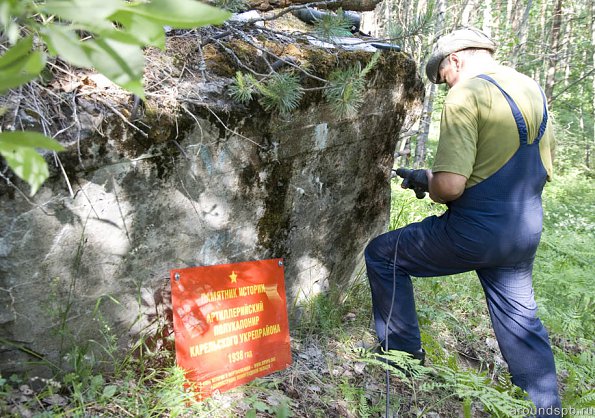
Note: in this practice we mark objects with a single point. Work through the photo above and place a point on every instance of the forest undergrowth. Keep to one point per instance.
(333, 373)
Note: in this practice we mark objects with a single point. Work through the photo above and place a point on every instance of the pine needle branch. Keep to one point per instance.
(345, 92)
(332, 25)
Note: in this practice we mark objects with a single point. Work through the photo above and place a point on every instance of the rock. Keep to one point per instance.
(492, 344)
(196, 180)
(55, 399)
(358, 368)
(349, 317)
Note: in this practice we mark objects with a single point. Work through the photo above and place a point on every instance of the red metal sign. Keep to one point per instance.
(230, 323)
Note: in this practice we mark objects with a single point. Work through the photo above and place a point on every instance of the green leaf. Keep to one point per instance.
(11, 81)
(16, 53)
(34, 63)
(27, 164)
(63, 41)
(121, 62)
(9, 9)
(145, 31)
(109, 391)
(97, 380)
(283, 411)
(20, 64)
(82, 11)
(18, 149)
(260, 406)
(183, 14)
(29, 139)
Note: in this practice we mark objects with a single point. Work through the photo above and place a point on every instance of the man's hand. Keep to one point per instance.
(416, 180)
(445, 187)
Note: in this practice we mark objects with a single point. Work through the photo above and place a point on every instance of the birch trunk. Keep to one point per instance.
(542, 38)
(467, 12)
(509, 5)
(522, 33)
(426, 116)
(554, 52)
(590, 143)
(424, 127)
(487, 18)
(568, 50)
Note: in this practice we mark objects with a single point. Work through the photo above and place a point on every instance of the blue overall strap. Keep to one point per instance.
(518, 116)
(516, 113)
(545, 116)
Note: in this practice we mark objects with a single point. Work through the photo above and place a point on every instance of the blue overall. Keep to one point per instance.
(494, 228)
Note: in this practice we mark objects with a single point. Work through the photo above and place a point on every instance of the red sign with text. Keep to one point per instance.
(230, 323)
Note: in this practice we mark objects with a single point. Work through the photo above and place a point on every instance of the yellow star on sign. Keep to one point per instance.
(233, 276)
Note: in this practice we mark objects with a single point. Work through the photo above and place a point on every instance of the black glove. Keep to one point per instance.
(416, 180)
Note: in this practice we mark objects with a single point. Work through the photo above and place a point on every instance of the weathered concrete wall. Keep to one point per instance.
(212, 182)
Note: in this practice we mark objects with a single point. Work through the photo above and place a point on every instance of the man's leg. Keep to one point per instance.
(523, 340)
(420, 249)
(403, 328)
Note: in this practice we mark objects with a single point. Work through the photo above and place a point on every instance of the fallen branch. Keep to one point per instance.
(286, 61)
(189, 100)
(124, 118)
(356, 5)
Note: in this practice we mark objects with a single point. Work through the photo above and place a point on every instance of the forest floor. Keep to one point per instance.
(333, 373)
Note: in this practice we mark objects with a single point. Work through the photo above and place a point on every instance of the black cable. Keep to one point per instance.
(390, 312)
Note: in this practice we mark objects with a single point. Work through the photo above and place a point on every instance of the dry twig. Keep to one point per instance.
(124, 118)
(189, 100)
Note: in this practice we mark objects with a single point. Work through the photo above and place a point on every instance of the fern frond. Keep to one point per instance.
(471, 386)
(587, 400)
(399, 364)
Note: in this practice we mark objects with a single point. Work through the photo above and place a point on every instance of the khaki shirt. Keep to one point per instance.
(478, 134)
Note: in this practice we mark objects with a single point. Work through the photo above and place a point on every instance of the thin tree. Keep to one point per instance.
(487, 17)
(522, 34)
(589, 143)
(428, 106)
(554, 52)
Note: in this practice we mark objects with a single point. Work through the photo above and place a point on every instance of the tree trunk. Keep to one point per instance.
(487, 18)
(509, 7)
(424, 127)
(589, 143)
(554, 50)
(542, 19)
(522, 33)
(568, 49)
(356, 5)
(426, 116)
(467, 9)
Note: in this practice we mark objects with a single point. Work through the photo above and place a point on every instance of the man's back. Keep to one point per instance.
(478, 133)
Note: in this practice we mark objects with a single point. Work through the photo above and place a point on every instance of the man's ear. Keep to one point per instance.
(455, 59)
